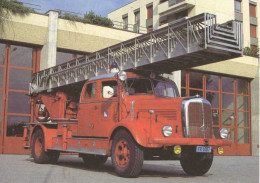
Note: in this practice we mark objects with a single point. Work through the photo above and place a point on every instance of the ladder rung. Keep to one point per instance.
(225, 39)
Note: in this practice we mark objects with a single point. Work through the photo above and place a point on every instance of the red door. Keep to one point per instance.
(16, 110)
(87, 110)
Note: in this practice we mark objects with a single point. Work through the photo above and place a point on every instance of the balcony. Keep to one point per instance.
(174, 6)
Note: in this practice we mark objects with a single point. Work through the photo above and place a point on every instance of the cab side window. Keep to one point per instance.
(109, 84)
(90, 92)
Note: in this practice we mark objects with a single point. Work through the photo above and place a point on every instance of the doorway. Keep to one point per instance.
(17, 63)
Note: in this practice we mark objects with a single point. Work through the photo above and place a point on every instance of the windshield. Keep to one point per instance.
(137, 86)
(165, 89)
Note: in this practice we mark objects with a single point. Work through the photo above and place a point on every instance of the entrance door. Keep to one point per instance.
(16, 69)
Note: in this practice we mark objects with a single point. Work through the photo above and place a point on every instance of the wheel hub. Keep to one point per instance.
(122, 153)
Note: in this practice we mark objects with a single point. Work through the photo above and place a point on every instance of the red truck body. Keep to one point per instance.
(129, 117)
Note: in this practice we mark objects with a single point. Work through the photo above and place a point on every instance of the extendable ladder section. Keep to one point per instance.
(185, 43)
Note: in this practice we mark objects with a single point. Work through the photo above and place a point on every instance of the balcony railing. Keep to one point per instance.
(130, 27)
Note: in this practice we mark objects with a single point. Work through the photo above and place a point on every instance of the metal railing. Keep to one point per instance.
(129, 27)
(187, 43)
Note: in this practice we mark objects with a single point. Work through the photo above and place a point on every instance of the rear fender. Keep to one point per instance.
(48, 133)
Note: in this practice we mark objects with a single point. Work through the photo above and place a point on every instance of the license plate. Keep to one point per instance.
(203, 149)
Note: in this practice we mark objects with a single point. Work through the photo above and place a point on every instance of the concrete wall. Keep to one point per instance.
(255, 119)
(243, 66)
(30, 29)
(87, 37)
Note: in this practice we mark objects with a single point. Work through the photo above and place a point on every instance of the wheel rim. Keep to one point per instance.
(122, 153)
(38, 147)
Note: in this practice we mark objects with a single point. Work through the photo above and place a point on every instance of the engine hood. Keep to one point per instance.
(169, 108)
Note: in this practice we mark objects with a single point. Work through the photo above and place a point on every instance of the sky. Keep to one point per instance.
(100, 7)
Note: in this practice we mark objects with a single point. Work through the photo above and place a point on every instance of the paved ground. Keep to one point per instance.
(22, 169)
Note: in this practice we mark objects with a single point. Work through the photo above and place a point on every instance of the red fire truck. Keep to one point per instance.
(129, 117)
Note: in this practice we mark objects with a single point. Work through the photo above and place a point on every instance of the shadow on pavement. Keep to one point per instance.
(148, 170)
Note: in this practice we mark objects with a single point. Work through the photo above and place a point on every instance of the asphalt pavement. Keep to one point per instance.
(70, 169)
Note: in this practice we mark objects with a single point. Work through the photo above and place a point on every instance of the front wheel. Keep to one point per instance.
(127, 155)
(196, 164)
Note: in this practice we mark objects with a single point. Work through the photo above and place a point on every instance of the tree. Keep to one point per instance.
(12, 7)
(253, 52)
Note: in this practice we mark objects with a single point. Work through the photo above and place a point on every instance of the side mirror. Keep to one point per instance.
(108, 92)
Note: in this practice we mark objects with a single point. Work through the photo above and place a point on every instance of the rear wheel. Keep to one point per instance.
(94, 161)
(196, 164)
(127, 155)
(38, 153)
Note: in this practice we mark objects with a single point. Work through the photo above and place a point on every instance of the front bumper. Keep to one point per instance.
(189, 141)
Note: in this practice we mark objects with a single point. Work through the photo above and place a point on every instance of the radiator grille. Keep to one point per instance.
(198, 120)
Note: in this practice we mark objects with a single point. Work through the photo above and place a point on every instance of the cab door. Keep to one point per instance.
(88, 109)
(107, 109)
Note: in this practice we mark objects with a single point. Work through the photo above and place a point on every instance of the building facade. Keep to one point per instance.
(34, 42)
(232, 86)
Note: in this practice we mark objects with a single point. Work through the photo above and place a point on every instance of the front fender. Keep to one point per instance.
(139, 131)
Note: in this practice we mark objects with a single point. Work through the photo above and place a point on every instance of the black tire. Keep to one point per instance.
(127, 155)
(38, 153)
(93, 161)
(196, 164)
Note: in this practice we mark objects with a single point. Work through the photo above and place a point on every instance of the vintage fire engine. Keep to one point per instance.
(81, 107)
(128, 117)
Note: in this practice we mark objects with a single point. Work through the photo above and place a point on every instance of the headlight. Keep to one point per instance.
(167, 131)
(223, 133)
(122, 75)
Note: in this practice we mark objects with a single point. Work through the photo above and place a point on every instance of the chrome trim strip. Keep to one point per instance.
(132, 109)
(81, 150)
(87, 138)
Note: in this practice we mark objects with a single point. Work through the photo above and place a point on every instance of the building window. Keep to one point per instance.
(137, 22)
(252, 10)
(149, 28)
(253, 31)
(238, 5)
(150, 12)
(63, 57)
(137, 17)
(125, 22)
(163, 20)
